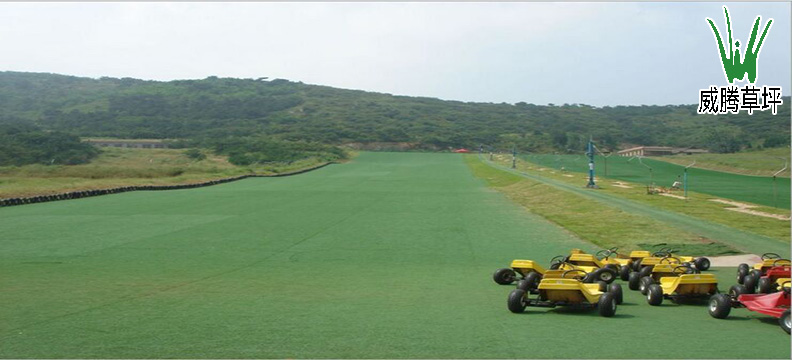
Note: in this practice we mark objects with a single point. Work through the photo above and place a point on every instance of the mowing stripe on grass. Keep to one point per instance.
(748, 242)
(388, 256)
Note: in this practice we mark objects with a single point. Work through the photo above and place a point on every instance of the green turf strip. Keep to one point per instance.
(755, 189)
(742, 240)
(390, 256)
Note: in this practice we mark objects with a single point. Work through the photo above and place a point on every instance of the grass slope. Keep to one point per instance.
(764, 162)
(388, 256)
(754, 189)
(123, 167)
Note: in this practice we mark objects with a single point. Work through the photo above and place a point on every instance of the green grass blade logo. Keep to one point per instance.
(734, 67)
(739, 66)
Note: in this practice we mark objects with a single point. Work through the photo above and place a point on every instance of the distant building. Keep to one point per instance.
(659, 151)
(128, 143)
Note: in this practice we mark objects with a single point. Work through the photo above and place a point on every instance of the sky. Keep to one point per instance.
(577, 53)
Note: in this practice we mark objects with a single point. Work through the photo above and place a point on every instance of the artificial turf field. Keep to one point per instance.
(755, 189)
(390, 255)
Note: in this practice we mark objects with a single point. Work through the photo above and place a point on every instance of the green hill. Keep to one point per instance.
(217, 107)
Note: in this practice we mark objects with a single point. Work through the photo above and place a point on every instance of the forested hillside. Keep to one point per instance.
(216, 108)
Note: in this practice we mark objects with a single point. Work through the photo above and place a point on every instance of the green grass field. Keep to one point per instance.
(754, 189)
(764, 162)
(387, 256)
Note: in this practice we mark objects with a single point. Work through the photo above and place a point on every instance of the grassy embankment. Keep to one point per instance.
(604, 226)
(697, 205)
(764, 162)
(125, 167)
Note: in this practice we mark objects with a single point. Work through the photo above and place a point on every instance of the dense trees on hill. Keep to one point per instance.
(25, 144)
(280, 110)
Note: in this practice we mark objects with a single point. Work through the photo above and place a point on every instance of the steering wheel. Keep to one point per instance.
(770, 256)
(576, 277)
(687, 269)
(676, 259)
(786, 260)
(603, 254)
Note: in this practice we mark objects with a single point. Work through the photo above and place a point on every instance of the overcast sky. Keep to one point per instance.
(590, 53)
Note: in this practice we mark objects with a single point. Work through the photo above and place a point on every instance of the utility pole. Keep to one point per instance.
(684, 178)
(514, 156)
(590, 154)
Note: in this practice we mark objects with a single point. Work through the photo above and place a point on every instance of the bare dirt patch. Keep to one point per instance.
(747, 209)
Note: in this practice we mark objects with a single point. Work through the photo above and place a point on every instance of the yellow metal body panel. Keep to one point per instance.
(526, 266)
(781, 281)
(689, 284)
(568, 290)
(660, 271)
(639, 254)
(585, 260)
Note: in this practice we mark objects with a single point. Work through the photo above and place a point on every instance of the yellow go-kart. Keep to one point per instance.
(566, 288)
(664, 268)
(531, 270)
(699, 262)
(691, 284)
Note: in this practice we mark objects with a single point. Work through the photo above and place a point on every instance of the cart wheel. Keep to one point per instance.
(643, 285)
(737, 290)
(624, 272)
(785, 322)
(646, 271)
(605, 274)
(702, 263)
(524, 285)
(634, 281)
(750, 283)
(607, 304)
(720, 306)
(654, 295)
(742, 270)
(516, 302)
(765, 286)
(636, 266)
(504, 276)
(603, 286)
(533, 278)
(616, 290)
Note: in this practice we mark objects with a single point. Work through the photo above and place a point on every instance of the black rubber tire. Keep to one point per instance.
(654, 295)
(605, 274)
(784, 321)
(613, 267)
(533, 278)
(741, 273)
(636, 266)
(646, 271)
(720, 306)
(515, 302)
(702, 264)
(607, 305)
(603, 286)
(750, 284)
(756, 273)
(524, 285)
(617, 291)
(504, 276)
(634, 281)
(765, 286)
(643, 284)
(737, 290)
(624, 272)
